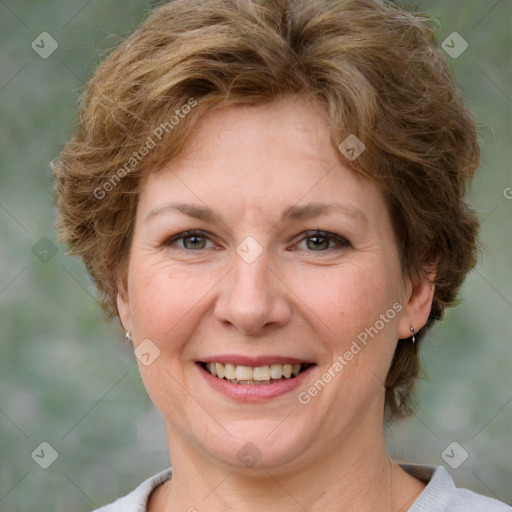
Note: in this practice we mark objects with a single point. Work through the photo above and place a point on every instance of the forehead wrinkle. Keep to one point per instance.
(292, 213)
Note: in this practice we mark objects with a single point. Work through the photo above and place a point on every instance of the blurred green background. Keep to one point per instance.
(66, 376)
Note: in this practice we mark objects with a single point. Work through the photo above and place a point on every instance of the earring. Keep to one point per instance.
(128, 336)
(413, 338)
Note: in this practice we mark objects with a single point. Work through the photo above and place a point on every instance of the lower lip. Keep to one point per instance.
(256, 392)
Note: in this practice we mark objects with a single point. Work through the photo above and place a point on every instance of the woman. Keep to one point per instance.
(269, 195)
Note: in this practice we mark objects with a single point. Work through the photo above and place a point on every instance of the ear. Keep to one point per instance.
(417, 308)
(123, 305)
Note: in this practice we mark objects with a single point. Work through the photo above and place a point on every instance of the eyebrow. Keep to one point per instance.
(292, 213)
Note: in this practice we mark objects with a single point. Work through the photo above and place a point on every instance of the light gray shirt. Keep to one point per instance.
(440, 494)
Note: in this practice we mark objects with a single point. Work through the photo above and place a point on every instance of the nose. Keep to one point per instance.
(253, 298)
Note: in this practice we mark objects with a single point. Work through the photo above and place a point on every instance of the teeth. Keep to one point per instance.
(253, 375)
(261, 373)
(276, 371)
(229, 371)
(243, 373)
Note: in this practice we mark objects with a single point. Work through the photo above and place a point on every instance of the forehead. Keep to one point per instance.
(262, 158)
(289, 127)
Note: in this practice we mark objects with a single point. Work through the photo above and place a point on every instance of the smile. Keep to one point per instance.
(254, 375)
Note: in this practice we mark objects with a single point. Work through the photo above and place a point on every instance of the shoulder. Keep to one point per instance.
(137, 500)
(463, 500)
(441, 494)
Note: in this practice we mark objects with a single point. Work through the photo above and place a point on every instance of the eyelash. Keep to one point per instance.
(342, 242)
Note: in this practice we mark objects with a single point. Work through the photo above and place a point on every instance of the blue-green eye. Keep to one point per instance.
(192, 240)
(320, 241)
(316, 241)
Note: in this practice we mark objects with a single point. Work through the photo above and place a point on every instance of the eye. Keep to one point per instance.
(320, 241)
(192, 240)
(316, 241)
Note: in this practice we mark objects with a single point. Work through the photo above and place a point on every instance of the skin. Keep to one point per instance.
(298, 298)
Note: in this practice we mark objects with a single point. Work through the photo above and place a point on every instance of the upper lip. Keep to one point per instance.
(261, 360)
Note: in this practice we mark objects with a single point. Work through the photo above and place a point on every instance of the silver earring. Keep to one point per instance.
(413, 338)
(128, 336)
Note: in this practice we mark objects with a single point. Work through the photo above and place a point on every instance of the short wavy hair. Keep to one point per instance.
(375, 68)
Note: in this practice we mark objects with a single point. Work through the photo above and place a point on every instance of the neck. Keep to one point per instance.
(355, 474)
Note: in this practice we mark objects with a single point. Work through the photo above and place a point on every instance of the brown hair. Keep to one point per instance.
(375, 68)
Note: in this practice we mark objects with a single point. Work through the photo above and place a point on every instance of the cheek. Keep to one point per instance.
(161, 297)
(348, 303)
(347, 299)
(164, 305)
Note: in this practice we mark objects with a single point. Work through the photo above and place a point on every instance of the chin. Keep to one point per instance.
(255, 444)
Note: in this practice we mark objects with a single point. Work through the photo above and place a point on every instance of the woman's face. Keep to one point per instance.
(255, 285)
